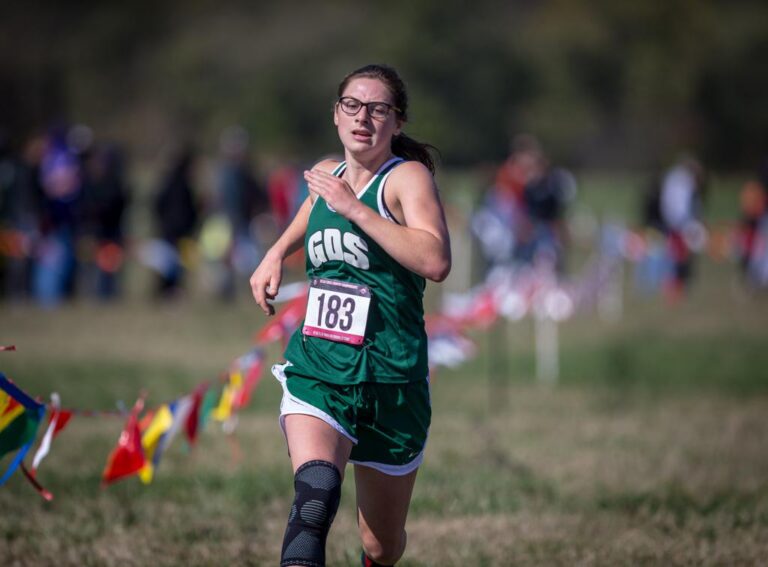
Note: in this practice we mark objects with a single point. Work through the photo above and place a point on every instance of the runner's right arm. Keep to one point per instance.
(265, 281)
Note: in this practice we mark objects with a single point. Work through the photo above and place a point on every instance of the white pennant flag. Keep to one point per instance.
(45, 444)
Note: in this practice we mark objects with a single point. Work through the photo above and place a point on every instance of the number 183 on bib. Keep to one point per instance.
(337, 311)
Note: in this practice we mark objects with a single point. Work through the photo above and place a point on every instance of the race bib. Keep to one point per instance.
(337, 311)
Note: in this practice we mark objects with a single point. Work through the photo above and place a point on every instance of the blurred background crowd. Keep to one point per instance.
(173, 136)
(65, 226)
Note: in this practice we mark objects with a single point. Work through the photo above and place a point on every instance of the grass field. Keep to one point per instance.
(651, 449)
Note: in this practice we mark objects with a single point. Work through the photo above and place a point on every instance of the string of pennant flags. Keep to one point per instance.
(144, 438)
(510, 292)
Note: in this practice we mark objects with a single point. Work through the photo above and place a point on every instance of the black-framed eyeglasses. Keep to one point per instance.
(377, 110)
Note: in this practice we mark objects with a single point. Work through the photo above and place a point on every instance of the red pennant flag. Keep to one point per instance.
(285, 322)
(483, 314)
(61, 423)
(128, 457)
(193, 419)
(251, 365)
(476, 310)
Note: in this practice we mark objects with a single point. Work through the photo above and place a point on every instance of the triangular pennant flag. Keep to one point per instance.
(193, 419)
(250, 365)
(127, 458)
(20, 416)
(285, 322)
(150, 439)
(45, 444)
(62, 421)
(180, 410)
(206, 408)
(223, 410)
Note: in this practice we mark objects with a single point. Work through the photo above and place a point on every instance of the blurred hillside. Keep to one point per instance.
(602, 83)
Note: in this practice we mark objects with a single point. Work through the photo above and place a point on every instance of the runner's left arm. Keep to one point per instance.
(421, 242)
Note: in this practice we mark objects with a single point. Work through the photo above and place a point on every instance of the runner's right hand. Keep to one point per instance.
(265, 282)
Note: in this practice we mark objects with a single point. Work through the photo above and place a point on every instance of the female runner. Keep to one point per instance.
(355, 385)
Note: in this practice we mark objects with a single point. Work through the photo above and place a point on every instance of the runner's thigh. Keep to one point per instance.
(310, 439)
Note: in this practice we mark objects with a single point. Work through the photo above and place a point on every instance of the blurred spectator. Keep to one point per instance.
(287, 190)
(682, 189)
(61, 179)
(229, 237)
(518, 169)
(753, 228)
(104, 202)
(176, 216)
(654, 267)
(545, 234)
(27, 216)
(17, 220)
(284, 189)
(499, 221)
(651, 204)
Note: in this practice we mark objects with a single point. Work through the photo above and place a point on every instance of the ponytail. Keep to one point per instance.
(409, 149)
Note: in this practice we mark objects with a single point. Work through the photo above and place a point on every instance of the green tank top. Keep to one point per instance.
(394, 349)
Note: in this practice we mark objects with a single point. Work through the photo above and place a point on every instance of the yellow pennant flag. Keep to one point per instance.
(223, 411)
(150, 438)
(9, 409)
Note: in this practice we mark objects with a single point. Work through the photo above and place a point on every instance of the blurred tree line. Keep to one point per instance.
(601, 82)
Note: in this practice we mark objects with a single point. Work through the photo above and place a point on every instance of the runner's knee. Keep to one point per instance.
(385, 550)
(317, 486)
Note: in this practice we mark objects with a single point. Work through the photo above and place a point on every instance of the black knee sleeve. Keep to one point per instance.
(318, 492)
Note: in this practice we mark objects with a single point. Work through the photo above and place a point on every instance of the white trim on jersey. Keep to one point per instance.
(400, 470)
(392, 470)
(378, 173)
(339, 171)
(290, 405)
(383, 210)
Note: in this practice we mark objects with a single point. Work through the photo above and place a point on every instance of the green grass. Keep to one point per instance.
(650, 449)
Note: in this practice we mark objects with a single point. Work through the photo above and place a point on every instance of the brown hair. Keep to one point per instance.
(402, 146)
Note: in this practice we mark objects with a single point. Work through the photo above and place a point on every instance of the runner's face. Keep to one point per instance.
(362, 133)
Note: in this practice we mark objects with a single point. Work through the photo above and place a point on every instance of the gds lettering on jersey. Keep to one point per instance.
(331, 244)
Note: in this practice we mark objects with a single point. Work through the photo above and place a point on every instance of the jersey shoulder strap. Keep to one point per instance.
(381, 203)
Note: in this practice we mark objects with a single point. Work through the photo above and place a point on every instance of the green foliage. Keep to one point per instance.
(618, 83)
